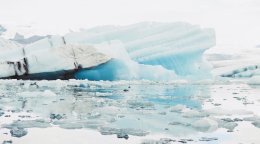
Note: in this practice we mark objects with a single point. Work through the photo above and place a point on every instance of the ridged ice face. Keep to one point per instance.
(175, 46)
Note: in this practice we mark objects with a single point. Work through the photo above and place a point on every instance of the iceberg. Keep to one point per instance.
(2, 29)
(148, 50)
(242, 65)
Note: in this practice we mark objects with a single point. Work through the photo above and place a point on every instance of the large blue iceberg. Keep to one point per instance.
(148, 50)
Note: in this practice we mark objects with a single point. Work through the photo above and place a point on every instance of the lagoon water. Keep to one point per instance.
(128, 112)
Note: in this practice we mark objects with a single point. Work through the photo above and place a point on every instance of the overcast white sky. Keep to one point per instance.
(237, 22)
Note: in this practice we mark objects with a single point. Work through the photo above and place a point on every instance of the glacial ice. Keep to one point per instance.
(148, 50)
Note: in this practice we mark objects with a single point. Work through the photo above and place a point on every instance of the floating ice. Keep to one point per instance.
(18, 132)
(111, 131)
(155, 51)
(242, 65)
(205, 124)
(2, 30)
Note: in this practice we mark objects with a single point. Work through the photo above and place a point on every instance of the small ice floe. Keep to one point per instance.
(162, 113)
(69, 124)
(140, 105)
(28, 124)
(79, 124)
(221, 112)
(230, 126)
(185, 140)
(128, 131)
(178, 108)
(208, 139)
(122, 135)
(94, 115)
(227, 119)
(256, 124)
(189, 113)
(205, 124)
(7, 142)
(166, 141)
(231, 120)
(161, 141)
(46, 93)
(255, 120)
(56, 116)
(18, 132)
(180, 123)
(1, 113)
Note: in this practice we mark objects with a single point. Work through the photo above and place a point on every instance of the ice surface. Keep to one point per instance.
(7, 45)
(22, 40)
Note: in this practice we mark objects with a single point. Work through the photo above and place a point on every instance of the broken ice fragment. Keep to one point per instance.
(230, 125)
(122, 135)
(256, 124)
(94, 115)
(205, 124)
(208, 139)
(177, 108)
(138, 104)
(227, 120)
(28, 124)
(111, 131)
(7, 142)
(1, 113)
(18, 132)
(55, 116)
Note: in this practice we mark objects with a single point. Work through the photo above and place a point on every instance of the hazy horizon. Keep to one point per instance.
(236, 22)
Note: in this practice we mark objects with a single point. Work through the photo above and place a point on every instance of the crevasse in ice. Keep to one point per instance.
(148, 50)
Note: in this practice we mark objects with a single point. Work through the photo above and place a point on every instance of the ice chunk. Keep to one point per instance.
(111, 131)
(207, 139)
(7, 142)
(178, 108)
(256, 124)
(18, 132)
(38, 123)
(205, 124)
(193, 113)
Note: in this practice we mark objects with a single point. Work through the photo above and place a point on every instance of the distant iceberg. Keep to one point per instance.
(149, 50)
(2, 29)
